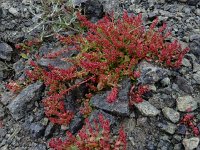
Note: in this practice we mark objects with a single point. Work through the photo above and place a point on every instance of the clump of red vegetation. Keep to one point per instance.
(189, 121)
(92, 136)
(108, 52)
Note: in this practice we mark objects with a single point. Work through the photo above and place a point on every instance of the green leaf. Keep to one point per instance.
(24, 56)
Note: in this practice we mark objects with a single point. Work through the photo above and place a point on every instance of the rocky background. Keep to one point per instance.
(153, 125)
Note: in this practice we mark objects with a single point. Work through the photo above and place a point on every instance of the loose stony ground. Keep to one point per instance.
(153, 124)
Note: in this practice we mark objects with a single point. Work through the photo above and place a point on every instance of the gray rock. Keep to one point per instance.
(3, 71)
(147, 109)
(2, 133)
(14, 11)
(167, 127)
(151, 74)
(7, 97)
(165, 81)
(19, 68)
(171, 114)
(187, 88)
(181, 129)
(37, 130)
(2, 112)
(190, 143)
(78, 2)
(5, 51)
(186, 62)
(27, 96)
(49, 130)
(196, 77)
(193, 2)
(94, 116)
(186, 103)
(44, 62)
(76, 123)
(120, 106)
(194, 37)
(195, 47)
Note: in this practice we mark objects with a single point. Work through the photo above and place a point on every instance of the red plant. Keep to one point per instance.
(189, 120)
(91, 136)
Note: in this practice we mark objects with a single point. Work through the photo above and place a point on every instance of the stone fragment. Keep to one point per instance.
(167, 127)
(171, 114)
(27, 96)
(186, 103)
(147, 109)
(5, 51)
(190, 143)
(120, 106)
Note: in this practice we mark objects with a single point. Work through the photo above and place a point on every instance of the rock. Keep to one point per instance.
(147, 109)
(167, 127)
(40, 147)
(76, 3)
(37, 130)
(186, 103)
(190, 143)
(194, 37)
(29, 95)
(186, 62)
(76, 123)
(7, 97)
(2, 112)
(4, 71)
(165, 82)
(171, 114)
(181, 129)
(120, 106)
(49, 130)
(94, 116)
(187, 88)
(196, 77)
(2, 133)
(195, 47)
(183, 1)
(14, 11)
(19, 68)
(5, 51)
(150, 74)
(193, 2)
(44, 62)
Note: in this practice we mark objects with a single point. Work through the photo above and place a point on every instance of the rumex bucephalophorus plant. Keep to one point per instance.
(109, 51)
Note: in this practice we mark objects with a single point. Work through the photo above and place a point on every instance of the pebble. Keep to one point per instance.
(171, 114)
(147, 109)
(186, 103)
(190, 143)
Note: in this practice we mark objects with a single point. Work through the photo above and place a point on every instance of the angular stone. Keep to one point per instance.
(94, 116)
(5, 51)
(147, 109)
(49, 130)
(7, 97)
(196, 77)
(191, 143)
(167, 127)
(171, 114)
(186, 103)
(37, 130)
(29, 95)
(76, 123)
(187, 88)
(181, 129)
(44, 62)
(151, 74)
(120, 106)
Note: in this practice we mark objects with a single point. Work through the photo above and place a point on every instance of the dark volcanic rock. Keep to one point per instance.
(29, 95)
(76, 123)
(120, 106)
